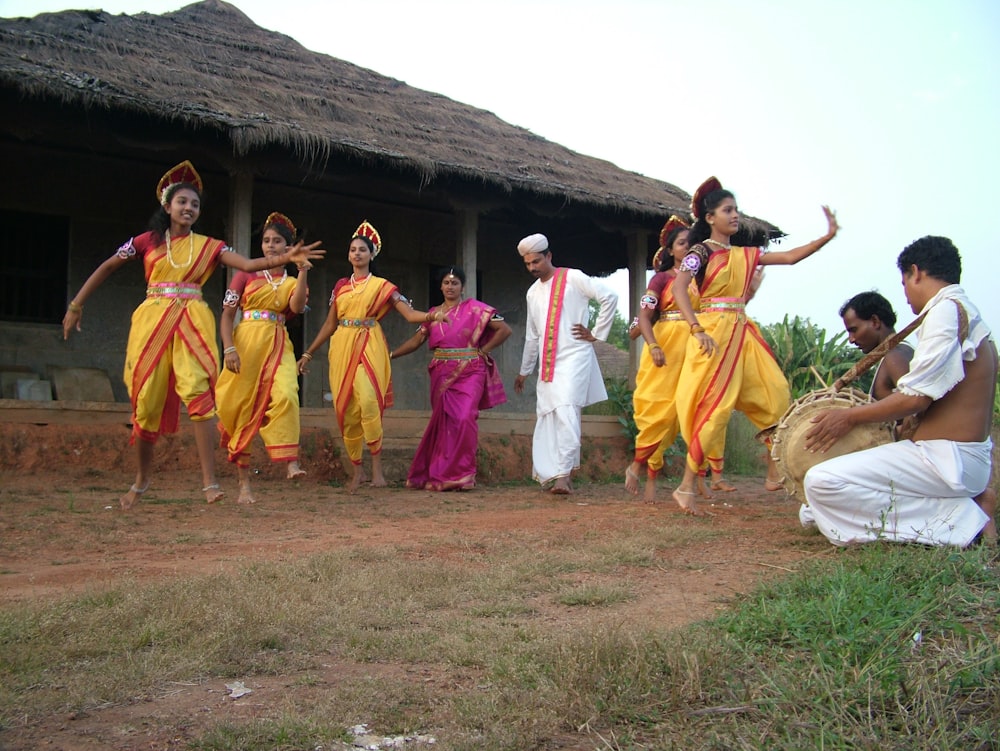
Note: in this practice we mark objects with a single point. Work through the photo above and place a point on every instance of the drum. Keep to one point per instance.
(788, 441)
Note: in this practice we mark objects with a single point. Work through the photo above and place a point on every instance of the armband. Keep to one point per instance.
(648, 301)
(127, 250)
(691, 263)
(231, 299)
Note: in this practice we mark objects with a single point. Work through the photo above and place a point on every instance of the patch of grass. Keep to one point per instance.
(595, 595)
(825, 658)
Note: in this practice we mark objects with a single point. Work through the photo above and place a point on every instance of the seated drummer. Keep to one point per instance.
(869, 320)
(933, 489)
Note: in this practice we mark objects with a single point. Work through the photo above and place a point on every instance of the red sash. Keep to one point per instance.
(550, 340)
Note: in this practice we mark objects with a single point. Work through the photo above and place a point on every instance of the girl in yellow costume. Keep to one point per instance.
(258, 391)
(360, 376)
(172, 356)
(728, 365)
(666, 335)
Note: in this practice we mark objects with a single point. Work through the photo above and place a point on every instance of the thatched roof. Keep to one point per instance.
(209, 67)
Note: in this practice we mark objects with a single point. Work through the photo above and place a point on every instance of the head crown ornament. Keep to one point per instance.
(657, 257)
(711, 185)
(181, 173)
(371, 234)
(276, 217)
(674, 222)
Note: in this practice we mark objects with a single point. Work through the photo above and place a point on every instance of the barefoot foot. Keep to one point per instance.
(561, 487)
(128, 500)
(722, 486)
(295, 471)
(246, 495)
(702, 489)
(686, 500)
(356, 481)
(772, 485)
(649, 495)
(212, 493)
(632, 478)
(378, 480)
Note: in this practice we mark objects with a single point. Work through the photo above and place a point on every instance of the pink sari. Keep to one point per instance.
(462, 383)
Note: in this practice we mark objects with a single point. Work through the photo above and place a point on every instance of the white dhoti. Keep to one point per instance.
(555, 448)
(907, 492)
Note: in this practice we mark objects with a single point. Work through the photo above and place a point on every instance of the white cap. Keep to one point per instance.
(533, 244)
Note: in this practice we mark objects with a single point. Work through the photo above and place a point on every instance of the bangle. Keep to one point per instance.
(697, 329)
(654, 346)
(228, 350)
(75, 307)
(307, 355)
(392, 355)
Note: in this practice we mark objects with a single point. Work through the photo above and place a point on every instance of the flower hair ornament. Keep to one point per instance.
(711, 185)
(181, 173)
(276, 217)
(371, 234)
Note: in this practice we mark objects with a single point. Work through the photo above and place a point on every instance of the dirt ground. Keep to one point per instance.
(61, 533)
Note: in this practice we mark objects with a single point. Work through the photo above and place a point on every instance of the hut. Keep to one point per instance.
(99, 105)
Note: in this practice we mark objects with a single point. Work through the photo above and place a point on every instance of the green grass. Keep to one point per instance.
(524, 649)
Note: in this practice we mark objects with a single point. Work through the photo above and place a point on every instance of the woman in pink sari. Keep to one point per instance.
(464, 379)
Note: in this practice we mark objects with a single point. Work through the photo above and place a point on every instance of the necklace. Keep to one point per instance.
(359, 283)
(170, 257)
(275, 284)
(721, 245)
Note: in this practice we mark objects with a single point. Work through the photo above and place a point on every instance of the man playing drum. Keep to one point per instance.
(921, 490)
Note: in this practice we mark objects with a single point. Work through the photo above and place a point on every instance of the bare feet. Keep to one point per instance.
(246, 495)
(358, 478)
(702, 488)
(722, 486)
(987, 501)
(295, 471)
(649, 496)
(632, 478)
(378, 480)
(212, 492)
(772, 485)
(561, 487)
(686, 500)
(128, 500)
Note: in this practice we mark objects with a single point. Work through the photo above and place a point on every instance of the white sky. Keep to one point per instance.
(887, 110)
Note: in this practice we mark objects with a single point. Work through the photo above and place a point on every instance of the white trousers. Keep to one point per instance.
(555, 448)
(904, 491)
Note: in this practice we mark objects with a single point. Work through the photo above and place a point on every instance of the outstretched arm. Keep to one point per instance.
(74, 313)
(793, 256)
(298, 254)
(418, 316)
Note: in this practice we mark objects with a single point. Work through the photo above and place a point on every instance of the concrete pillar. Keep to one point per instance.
(635, 244)
(467, 251)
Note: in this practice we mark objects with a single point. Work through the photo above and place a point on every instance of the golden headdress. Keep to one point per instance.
(371, 234)
(276, 217)
(709, 186)
(673, 223)
(182, 173)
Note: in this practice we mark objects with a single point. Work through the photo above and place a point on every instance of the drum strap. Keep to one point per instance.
(862, 365)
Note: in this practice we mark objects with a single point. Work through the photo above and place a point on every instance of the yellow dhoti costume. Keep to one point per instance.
(264, 396)
(172, 355)
(654, 400)
(742, 374)
(360, 376)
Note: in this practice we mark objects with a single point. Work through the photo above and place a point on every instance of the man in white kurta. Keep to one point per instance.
(558, 340)
(921, 490)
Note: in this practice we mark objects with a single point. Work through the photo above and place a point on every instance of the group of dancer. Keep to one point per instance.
(704, 357)
(172, 355)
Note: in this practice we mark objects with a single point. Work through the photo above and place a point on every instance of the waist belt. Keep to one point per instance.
(358, 323)
(722, 304)
(181, 290)
(465, 353)
(671, 315)
(263, 315)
